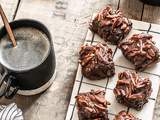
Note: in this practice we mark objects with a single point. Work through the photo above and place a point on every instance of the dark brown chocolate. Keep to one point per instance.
(124, 116)
(132, 90)
(92, 105)
(140, 50)
(96, 61)
(111, 25)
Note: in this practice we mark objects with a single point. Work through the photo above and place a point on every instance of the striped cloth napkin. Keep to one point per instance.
(10, 112)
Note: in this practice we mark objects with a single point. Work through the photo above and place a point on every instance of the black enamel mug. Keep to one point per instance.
(152, 2)
(36, 76)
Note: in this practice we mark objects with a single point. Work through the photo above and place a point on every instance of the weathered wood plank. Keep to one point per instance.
(9, 7)
(156, 115)
(151, 14)
(68, 22)
(131, 8)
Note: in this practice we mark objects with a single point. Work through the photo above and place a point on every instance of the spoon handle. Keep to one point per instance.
(7, 26)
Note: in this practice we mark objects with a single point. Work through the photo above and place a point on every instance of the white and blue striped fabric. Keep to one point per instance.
(10, 112)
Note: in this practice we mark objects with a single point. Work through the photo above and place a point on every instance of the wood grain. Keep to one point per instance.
(151, 14)
(131, 8)
(9, 7)
(7, 26)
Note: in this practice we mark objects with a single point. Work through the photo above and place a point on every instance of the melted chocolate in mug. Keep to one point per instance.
(32, 49)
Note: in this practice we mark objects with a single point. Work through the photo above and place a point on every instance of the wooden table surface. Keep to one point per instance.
(68, 22)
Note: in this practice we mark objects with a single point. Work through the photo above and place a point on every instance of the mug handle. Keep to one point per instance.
(5, 90)
(4, 76)
(8, 86)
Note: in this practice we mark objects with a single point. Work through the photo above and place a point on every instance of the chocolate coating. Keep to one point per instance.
(111, 25)
(92, 105)
(132, 90)
(140, 50)
(96, 61)
(124, 116)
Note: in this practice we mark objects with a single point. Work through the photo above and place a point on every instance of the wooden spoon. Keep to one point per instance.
(7, 26)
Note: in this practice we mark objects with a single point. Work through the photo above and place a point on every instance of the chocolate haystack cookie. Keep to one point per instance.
(132, 90)
(96, 61)
(140, 50)
(92, 105)
(111, 25)
(124, 116)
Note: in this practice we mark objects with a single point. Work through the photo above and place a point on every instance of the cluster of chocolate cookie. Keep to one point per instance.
(140, 50)
(93, 106)
(132, 90)
(111, 25)
(96, 60)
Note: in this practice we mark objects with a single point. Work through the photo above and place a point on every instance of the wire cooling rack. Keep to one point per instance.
(83, 84)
